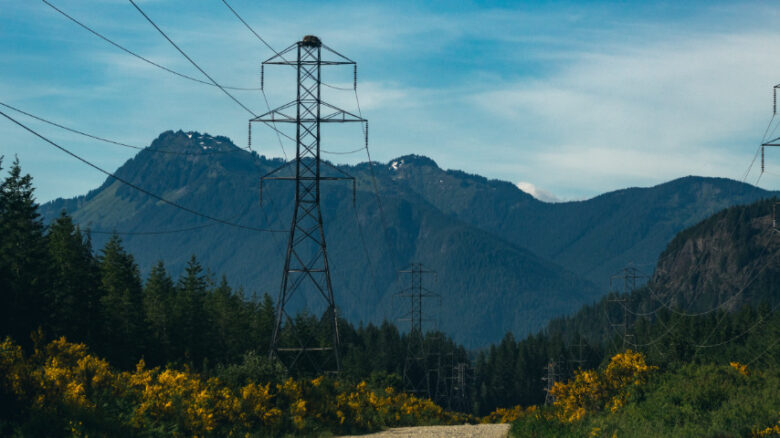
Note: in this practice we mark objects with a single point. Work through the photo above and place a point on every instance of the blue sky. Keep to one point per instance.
(568, 98)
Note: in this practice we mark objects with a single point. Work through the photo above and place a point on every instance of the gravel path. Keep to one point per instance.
(464, 431)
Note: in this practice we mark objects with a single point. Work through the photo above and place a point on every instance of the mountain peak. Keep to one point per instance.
(411, 160)
(191, 141)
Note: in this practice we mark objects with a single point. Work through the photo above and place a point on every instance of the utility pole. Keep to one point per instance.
(306, 281)
(416, 372)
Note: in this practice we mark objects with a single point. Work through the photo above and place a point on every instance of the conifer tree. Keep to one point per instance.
(24, 279)
(265, 317)
(190, 317)
(122, 305)
(225, 314)
(75, 297)
(159, 294)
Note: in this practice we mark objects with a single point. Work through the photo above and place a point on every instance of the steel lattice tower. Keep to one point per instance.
(629, 277)
(306, 272)
(550, 379)
(416, 372)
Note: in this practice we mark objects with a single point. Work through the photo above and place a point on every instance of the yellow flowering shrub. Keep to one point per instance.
(504, 415)
(592, 391)
(13, 367)
(79, 388)
(741, 368)
(772, 431)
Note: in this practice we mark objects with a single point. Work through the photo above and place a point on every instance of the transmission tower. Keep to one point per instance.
(549, 381)
(580, 360)
(457, 391)
(306, 282)
(774, 141)
(622, 284)
(416, 376)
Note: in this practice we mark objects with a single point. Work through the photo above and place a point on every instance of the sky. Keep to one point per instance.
(566, 99)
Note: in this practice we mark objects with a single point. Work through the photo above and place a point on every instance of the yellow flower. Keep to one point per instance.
(742, 369)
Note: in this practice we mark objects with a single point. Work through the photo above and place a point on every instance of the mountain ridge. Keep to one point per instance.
(493, 280)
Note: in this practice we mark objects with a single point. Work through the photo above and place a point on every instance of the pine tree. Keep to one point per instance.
(190, 317)
(159, 294)
(265, 317)
(75, 297)
(24, 276)
(228, 326)
(122, 304)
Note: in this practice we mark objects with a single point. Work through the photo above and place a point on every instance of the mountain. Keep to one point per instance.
(488, 285)
(593, 238)
(726, 263)
(505, 261)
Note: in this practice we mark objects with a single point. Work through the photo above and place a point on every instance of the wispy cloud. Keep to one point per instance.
(674, 106)
(579, 98)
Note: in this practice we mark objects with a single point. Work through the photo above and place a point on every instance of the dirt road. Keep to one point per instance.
(464, 431)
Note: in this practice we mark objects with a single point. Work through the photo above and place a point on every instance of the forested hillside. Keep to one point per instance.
(55, 284)
(593, 238)
(486, 295)
(505, 261)
(713, 299)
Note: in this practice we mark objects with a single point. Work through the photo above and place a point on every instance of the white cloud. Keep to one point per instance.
(536, 192)
(676, 106)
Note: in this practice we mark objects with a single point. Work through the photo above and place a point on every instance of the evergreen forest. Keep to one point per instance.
(63, 300)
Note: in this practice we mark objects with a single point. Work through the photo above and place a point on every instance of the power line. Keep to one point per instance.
(250, 29)
(136, 187)
(271, 48)
(343, 152)
(149, 233)
(750, 329)
(262, 90)
(732, 297)
(206, 74)
(106, 140)
(357, 219)
(182, 75)
(721, 319)
(373, 178)
(363, 126)
(190, 59)
(130, 52)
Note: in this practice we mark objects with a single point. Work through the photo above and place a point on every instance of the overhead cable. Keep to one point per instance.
(142, 58)
(136, 187)
(114, 142)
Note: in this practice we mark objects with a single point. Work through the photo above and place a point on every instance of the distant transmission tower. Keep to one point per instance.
(549, 381)
(306, 283)
(580, 360)
(416, 376)
(622, 284)
(457, 391)
(774, 141)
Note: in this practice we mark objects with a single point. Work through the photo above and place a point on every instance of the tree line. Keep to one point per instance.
(54, 284)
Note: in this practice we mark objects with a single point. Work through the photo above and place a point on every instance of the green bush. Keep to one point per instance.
(697, 400)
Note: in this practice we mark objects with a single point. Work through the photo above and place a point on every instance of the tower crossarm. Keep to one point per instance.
(329, 114)
(333, 58)
(270, 176)
(773, 142)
